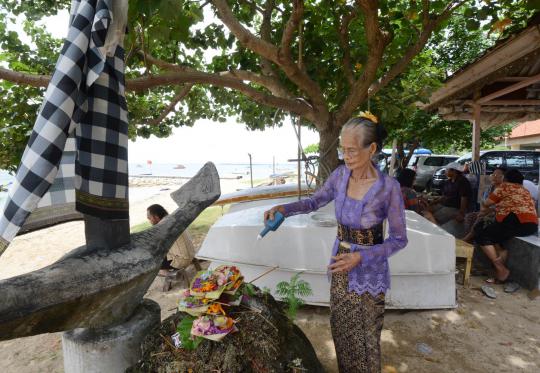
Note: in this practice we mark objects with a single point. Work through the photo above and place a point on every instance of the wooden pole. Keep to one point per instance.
(250, 169)
(393, 158)
(477, 110)
(299, 159)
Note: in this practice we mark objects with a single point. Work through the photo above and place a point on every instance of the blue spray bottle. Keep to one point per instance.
(272, 225)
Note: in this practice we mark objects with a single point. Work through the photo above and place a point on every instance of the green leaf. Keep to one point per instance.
(472, 24)
(184, 329)
(533, 5)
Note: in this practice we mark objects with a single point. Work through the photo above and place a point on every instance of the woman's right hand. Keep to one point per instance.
(269, 214)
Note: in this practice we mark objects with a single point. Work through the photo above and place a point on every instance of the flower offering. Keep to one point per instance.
(208, 284)
(214, 328)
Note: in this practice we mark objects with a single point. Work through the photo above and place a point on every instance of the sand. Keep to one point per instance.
(481, 335)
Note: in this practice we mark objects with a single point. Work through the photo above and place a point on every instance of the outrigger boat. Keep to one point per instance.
(422, 274)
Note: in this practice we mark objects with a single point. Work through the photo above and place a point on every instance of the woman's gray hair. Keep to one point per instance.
(366, 131)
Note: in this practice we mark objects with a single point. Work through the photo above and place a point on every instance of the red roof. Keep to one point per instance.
(525, 129)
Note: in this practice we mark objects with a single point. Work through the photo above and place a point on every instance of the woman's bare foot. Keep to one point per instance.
(502, 272)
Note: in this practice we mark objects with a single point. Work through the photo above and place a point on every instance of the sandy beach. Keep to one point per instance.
(481, 335)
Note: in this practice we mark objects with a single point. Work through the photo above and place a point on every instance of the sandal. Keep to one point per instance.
(511, 287)
(494, 281)
(489, 291)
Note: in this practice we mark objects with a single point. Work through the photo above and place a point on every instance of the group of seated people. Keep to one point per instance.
(507, 209)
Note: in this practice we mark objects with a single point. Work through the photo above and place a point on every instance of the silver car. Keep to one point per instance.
(426, 165)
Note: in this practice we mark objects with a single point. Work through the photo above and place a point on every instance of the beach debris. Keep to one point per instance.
(424, 348)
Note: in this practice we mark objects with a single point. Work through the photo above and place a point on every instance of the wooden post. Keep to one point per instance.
(299, 159)
(477, 109)
(250, 169)
(393, 158)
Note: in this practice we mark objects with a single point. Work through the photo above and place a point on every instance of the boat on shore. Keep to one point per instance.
(422, 274)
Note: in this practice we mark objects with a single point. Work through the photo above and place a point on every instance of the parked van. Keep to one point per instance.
(526, 161)
(426, 165)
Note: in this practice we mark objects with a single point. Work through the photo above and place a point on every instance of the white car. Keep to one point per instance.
(426, 165)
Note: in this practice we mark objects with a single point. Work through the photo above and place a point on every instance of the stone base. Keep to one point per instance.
(113, 349)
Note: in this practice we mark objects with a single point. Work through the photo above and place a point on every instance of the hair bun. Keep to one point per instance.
(369, 116)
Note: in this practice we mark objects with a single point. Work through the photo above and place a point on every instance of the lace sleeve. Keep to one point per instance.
(320, 198)
(397, 230)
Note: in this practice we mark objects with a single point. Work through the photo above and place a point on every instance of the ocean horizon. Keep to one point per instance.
(186, 170)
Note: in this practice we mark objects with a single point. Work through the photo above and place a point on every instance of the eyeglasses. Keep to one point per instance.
(353, 152)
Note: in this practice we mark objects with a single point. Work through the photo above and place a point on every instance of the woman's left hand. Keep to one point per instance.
(345, 262)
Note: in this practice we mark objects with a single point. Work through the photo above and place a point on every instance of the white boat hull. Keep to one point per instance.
(422, 274)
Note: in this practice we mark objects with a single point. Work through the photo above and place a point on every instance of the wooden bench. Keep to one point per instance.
(465, 250)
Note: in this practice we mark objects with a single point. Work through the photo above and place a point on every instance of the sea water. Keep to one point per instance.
(225, 170)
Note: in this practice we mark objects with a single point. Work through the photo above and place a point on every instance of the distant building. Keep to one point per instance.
(526, 136)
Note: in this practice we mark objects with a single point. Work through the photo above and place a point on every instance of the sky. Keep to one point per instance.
(206, 140)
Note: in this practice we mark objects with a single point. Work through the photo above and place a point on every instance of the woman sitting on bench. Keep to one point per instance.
(515, 215)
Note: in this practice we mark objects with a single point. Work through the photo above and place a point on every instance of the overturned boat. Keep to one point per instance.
(422, 274)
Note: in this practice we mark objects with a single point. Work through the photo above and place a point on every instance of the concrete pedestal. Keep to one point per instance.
(110, 350)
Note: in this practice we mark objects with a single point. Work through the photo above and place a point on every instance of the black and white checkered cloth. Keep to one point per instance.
(84, 103)
(477, 168)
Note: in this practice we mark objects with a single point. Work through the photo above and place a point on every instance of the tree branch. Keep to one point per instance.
(413, 50)
(270, 83)
(246, 38)
(181, 75)
(290, 28)
(376, 42)
(271, 52)
(266, 28)
(344, 43)
(197, 77)
(32, 80)
(176, 99)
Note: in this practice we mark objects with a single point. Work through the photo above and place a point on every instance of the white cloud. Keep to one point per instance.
(221, 142)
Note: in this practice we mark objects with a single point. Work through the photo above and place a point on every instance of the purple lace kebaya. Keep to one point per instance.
(382, 201)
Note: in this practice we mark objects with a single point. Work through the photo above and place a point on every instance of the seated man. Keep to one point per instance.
(454, 203)
(410, 198)
(181, 253)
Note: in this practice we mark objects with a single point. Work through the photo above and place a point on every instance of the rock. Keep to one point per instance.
(266, 341)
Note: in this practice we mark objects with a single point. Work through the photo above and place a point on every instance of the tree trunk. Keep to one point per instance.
(328, 143)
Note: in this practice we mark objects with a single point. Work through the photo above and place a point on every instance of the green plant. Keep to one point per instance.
(291, 292)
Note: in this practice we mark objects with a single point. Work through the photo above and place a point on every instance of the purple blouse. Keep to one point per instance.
(382, 201)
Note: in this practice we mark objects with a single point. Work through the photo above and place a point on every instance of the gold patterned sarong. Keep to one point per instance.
(356, 320)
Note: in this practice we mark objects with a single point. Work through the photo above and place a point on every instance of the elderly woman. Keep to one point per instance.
(364, 198)
(515, 215)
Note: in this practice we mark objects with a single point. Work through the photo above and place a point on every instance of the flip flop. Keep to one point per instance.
(493, 281)
(489, 291)
(511, 287)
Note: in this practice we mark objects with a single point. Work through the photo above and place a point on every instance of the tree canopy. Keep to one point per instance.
(259, 60)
